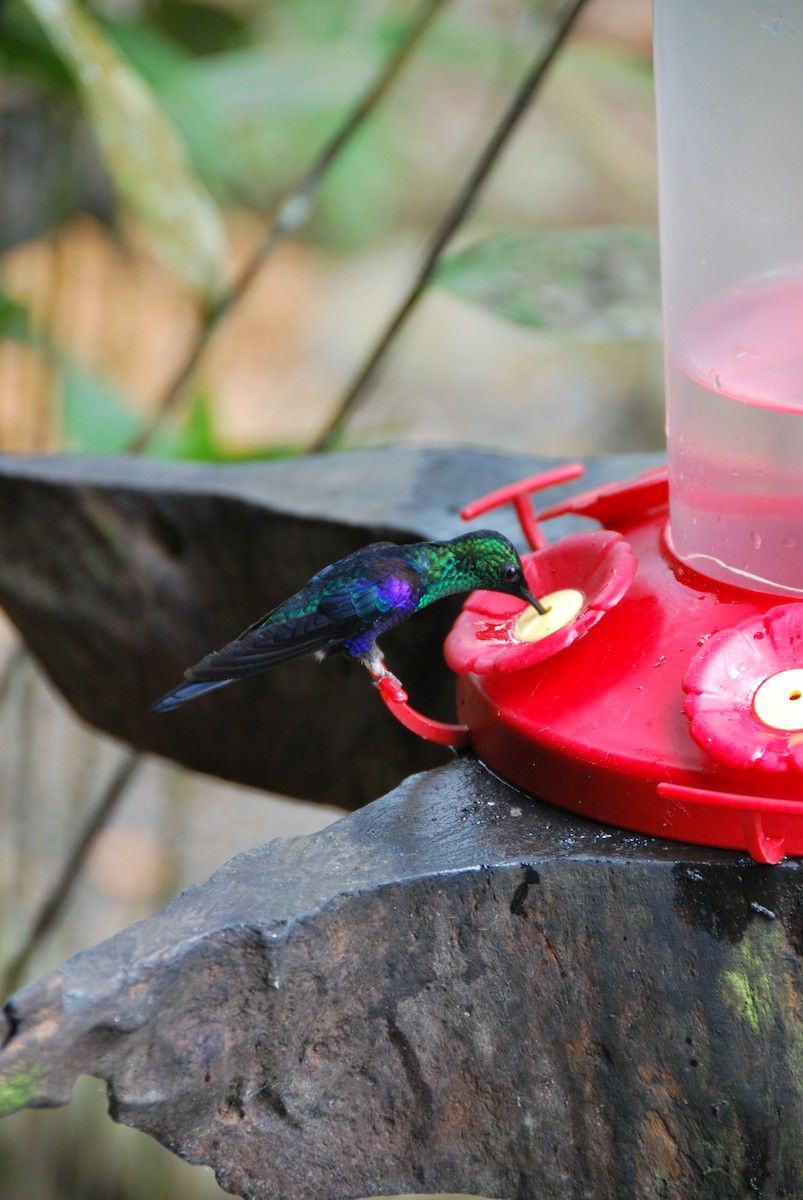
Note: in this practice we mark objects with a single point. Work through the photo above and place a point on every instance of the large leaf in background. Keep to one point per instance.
(195, 439)
(142, 150)
(26, 51)
(252, 118)
(601, 282)
(254, 115)
(94, 417)
(97, 419)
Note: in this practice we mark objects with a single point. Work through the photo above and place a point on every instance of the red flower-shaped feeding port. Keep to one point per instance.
(578, 579)
(745, 692)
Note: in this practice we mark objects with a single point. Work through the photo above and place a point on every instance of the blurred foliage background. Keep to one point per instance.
(146, 147)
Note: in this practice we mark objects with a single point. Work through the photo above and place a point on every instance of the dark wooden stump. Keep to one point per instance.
(121, 572)
(455, 989)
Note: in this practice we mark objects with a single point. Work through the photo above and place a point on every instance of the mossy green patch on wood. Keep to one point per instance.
(752, 986)
(748, 998)
(18, 1090)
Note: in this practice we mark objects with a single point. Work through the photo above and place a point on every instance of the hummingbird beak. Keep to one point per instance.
(527, 595)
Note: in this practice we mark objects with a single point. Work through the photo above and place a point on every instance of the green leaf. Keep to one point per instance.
(14, 320)
(254, 117)
(601, 282)
(194, 439)
(199, 441)
(94, 418)
(26, 53)
(17, 1091)
(142, 150)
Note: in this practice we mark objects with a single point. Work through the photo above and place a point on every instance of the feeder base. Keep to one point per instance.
(600, 728)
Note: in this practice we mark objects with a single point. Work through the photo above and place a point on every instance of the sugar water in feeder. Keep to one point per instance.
(728, 75)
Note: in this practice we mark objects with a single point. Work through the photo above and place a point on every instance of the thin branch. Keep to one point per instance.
(461, 206)
(293, 214)
(55, 900)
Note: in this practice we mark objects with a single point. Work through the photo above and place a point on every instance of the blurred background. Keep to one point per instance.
(146, 148)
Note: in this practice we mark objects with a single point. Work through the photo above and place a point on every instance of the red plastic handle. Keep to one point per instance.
(520, 496)
(439, 732)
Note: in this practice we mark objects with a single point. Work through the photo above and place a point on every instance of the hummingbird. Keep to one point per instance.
(350, 603)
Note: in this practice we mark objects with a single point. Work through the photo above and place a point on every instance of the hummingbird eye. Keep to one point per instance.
(511, 573)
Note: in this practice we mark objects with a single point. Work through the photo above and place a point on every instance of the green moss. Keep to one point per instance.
(742, 998)
(17, 1091)
(752, 986)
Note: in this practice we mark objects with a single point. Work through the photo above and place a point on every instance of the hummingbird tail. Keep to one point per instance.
(185, 692)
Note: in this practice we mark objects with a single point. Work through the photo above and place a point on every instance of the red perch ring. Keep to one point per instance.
(587, 573)
(745, 692)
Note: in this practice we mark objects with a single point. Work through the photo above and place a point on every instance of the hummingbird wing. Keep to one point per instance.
(353, 562)
(336, 610)
(261, 646)
(383, 598)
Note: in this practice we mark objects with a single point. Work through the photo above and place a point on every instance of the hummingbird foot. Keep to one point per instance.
(385, 680)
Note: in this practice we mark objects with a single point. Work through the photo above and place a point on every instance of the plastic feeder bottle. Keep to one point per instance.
(729, 87)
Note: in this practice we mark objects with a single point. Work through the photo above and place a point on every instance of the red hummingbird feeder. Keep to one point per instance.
(662, 691)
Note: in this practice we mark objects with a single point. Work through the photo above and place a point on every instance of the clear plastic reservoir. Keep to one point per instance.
(729, 87)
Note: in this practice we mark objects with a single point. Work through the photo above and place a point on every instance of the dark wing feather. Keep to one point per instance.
(254, 650)
(380, 595)
(263, 646)
(355, 597)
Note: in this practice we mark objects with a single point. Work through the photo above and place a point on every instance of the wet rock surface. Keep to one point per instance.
(456, 988)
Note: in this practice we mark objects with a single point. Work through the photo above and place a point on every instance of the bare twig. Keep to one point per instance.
(55, 900)
(292, 215)
(461, 206)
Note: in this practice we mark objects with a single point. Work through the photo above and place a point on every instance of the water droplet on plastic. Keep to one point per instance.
(755, 538)
(772, 21)
(789, 542)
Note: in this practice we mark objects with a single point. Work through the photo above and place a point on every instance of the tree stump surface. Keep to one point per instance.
(456, 988)
(122, 572)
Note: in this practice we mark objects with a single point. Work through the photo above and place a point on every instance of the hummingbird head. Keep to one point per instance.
(489, 560)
